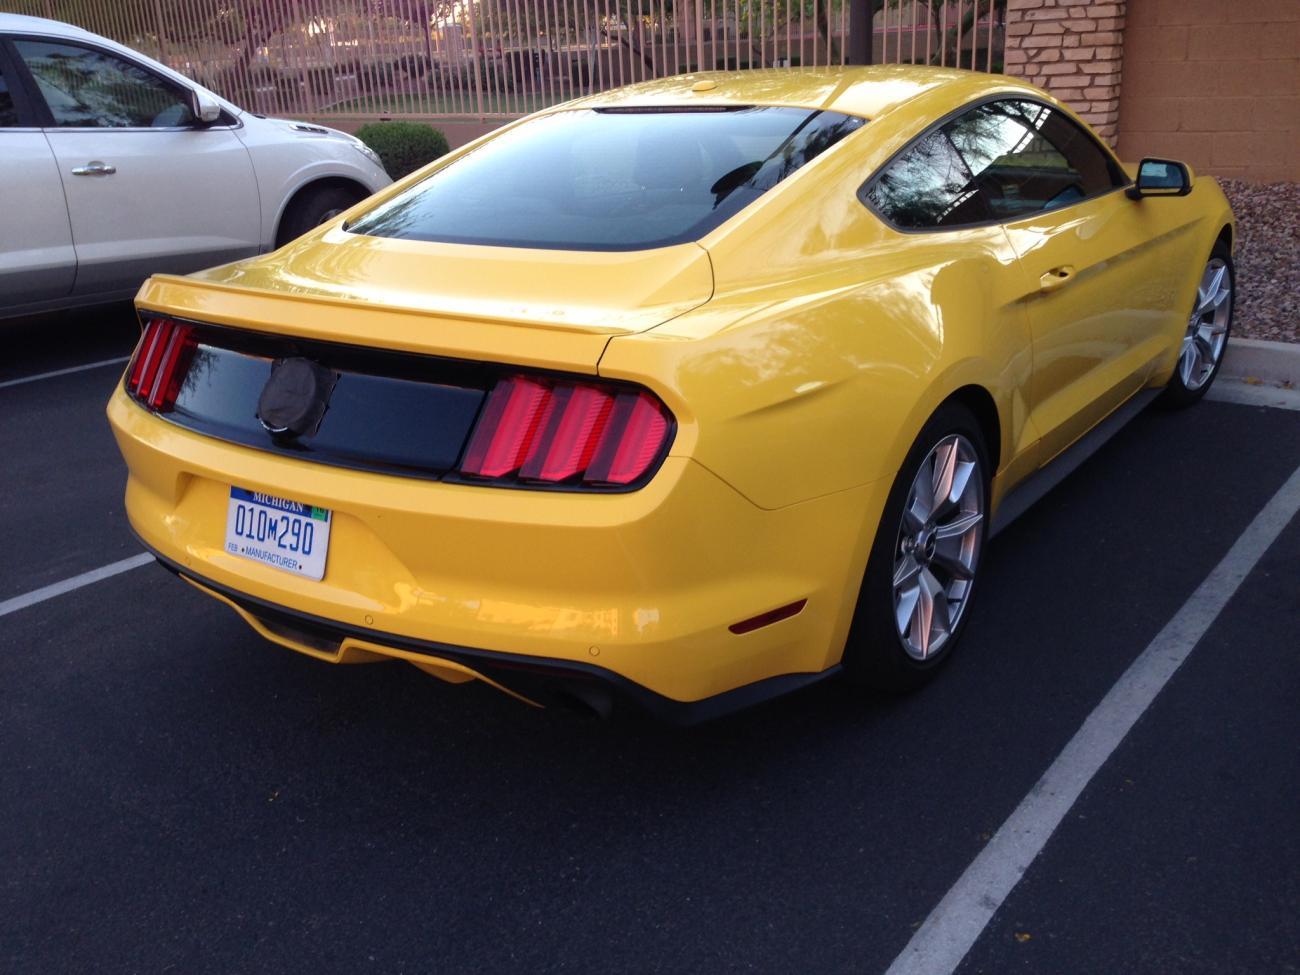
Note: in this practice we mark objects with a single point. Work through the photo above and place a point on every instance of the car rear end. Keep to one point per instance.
(377, 447)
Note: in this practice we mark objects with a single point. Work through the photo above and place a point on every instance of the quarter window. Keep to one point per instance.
(88, 88)
(998, 161)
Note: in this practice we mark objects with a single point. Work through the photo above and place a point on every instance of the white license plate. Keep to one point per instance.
(284, 534)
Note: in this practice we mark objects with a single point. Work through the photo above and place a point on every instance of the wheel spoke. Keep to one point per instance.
(948, 556)
(905, 609)
(923, 618)
(1205, 350)
(916, 512)
(938, 616)
(945, 473)
(960, 482)
(1209, 290)
(920, 504)
(1187, 361)
(958, 526)
(906, 571)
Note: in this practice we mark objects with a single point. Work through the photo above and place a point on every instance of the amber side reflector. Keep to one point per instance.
(768, 618)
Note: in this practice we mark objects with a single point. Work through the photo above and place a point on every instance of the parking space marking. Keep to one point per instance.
(64, 372)
(952, 928)
(76, 582)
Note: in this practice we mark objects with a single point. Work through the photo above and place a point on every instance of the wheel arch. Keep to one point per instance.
(981, 403)
(1225, 236)
(314, 185)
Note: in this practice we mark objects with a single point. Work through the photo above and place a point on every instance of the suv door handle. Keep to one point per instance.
(94, 168)
(1057, 277)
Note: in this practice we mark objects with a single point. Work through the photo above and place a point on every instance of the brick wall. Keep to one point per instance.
(1215, 83)
(1074, 49)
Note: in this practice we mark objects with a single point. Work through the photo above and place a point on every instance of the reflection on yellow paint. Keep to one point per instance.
(548, 619)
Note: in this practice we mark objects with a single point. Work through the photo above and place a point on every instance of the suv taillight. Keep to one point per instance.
(161, 361)
(540, 431)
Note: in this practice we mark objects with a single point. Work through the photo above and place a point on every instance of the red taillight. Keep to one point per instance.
(636, 431)
(161, 362)
(541, 431)
(503, 434)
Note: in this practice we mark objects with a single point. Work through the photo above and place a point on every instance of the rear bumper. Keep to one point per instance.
(536, 680)
(634, 592)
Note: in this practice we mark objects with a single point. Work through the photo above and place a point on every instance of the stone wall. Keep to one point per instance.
(1074, 49)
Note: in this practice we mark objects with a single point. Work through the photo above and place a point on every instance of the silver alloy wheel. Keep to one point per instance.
(1207, 329)
(938, 546)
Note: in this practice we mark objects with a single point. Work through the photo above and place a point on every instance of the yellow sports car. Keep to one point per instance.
(684, 395)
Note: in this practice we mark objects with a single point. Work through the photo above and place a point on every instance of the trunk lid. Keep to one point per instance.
(550, 308)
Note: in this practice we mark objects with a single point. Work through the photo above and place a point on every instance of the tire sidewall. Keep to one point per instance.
(305, 212)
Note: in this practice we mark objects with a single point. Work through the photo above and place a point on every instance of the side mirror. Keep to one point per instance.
(206, 109)
(1161, 177)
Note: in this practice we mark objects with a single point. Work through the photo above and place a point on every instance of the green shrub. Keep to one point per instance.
(403, 146)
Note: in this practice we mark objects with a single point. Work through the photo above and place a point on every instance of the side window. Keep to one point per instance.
(88, 88)
(996, 162)
(929, 185)
(1057, 163)
(8, 111)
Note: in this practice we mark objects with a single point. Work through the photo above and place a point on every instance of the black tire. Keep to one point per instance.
(1176, 393)
(313, 207)
(874, 654)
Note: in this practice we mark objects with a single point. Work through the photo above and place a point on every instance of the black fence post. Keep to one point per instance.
(861, 16)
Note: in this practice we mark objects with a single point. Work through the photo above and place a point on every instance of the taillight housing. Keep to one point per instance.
(160, 364)
(545, 432)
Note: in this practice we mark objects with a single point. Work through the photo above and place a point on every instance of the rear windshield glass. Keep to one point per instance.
(609, 180)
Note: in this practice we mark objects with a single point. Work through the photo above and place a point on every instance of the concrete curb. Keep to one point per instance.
(1270, 362)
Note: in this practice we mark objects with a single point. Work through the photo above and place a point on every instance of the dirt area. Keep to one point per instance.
(1268, 259)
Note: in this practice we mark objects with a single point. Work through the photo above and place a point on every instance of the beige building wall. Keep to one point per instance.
(1215, 83)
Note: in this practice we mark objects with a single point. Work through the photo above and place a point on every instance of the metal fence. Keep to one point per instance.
(494, 59)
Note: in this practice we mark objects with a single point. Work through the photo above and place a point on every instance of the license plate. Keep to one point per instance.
(284, 534)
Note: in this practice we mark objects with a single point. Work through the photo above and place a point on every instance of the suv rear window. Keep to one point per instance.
(610, 179)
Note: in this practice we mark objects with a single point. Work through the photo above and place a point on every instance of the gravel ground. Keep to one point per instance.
(1268, 259)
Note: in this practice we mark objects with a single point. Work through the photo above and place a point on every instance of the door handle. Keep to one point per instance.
(94, 168)
(1057, 277)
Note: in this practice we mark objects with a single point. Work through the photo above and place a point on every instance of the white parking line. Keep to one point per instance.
(941, 943)
(64, 372)
(76, 582)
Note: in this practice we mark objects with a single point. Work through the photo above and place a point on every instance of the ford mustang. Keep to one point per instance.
(682, 395)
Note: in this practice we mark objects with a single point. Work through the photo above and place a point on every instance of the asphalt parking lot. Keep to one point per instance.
(181, 796)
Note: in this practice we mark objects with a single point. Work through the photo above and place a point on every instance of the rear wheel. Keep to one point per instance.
(1207, 333)
(917, 587)
(313, 207)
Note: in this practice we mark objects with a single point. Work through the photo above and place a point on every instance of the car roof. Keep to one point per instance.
(22, 24)
(869, 91)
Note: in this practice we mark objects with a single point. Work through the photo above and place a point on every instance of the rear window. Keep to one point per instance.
(610, 179)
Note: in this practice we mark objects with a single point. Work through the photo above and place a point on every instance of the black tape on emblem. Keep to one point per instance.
(295, 398)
